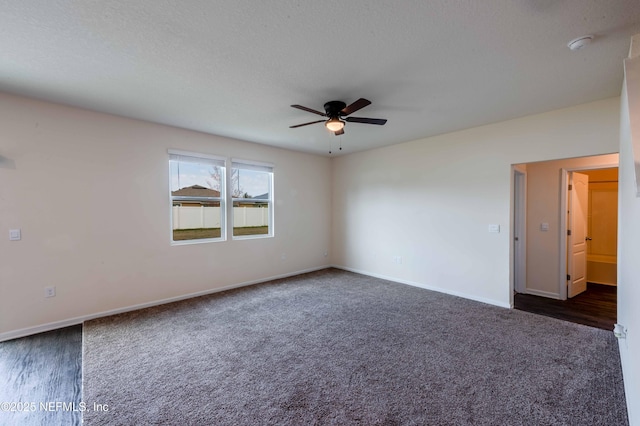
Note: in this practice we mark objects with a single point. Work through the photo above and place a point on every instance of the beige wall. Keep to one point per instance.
(91, 194)
(602, 175)
(435, 198)
(543, 206)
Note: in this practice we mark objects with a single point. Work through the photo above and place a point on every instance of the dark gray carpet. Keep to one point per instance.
(333, 347)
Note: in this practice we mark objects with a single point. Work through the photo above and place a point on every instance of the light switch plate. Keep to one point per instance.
(544, 226)
(15, 235)
(494, 228)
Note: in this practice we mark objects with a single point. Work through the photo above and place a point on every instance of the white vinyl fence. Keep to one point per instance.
(195, 217)
(250, 216)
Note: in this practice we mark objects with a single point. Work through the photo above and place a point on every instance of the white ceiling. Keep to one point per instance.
(233, 67)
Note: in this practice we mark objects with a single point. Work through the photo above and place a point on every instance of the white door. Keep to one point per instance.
(577, 241)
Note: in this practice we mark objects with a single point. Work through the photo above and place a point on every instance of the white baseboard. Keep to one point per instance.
(428, 287)
(9, 335)
(603, 283)
(548, 294)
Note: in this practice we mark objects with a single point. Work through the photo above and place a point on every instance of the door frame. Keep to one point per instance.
(519, 229)
(564, 200)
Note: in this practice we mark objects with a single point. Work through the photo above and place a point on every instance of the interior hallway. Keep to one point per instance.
(596, 307)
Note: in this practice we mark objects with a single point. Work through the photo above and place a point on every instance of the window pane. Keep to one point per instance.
(195, 179)
(194, 220)
(250, 184)
(250, 218)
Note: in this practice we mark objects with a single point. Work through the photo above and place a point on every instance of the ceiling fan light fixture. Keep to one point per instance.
(334, 124)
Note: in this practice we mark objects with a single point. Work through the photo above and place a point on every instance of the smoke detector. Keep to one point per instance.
(580, 42)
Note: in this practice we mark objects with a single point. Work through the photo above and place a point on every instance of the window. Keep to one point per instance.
(251, 189)
(197, 190)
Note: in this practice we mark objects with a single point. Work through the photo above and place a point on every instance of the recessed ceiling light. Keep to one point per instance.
(580, 42)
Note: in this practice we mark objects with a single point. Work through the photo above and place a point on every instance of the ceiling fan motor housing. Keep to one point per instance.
(333, 108)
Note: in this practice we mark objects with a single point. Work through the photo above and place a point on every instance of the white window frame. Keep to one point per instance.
(199, 158)
(237, 163)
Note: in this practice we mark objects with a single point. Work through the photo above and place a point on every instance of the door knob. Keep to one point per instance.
(588, 238)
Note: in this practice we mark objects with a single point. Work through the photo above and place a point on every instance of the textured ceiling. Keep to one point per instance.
(233, 67)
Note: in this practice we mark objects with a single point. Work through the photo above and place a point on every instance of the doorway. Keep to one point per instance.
(543, 271)
(590, 229)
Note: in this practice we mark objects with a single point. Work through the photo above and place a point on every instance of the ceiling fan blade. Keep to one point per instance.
(304, 108)
(359, 104)
(378, 121)
(339, 132)
(306, 124)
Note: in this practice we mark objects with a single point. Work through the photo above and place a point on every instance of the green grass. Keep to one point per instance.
(202, 233)
(251, 230)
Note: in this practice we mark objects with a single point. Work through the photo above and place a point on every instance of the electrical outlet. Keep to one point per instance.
(397, 259)
(49, 292)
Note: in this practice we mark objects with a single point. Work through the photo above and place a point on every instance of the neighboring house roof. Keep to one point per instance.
(195, 191)
(261, 197)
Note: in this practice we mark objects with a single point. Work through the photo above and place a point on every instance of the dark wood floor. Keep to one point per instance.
(596, 307)
(41, 379)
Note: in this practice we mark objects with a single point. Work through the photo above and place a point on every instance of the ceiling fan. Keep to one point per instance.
(337, 112)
